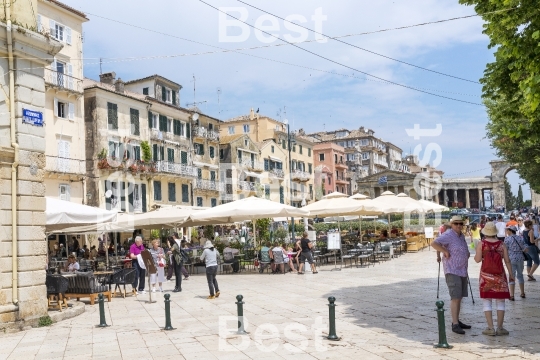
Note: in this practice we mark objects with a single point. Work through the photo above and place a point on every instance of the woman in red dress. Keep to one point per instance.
(493, 283)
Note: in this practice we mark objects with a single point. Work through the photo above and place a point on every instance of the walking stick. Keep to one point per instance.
(438, 279)
(470, 288)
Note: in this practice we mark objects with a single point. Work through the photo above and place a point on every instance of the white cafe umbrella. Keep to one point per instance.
(431, 206)
(359, 197)
(61, 214)
(251, 208)
(389, 203)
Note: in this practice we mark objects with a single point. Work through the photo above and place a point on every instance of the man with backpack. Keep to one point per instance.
(455, 261)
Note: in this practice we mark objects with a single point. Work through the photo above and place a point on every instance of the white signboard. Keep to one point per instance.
(429, 232)
(334, 241)
(312, 235)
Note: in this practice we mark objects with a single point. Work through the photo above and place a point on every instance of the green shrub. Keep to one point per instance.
(45, 321)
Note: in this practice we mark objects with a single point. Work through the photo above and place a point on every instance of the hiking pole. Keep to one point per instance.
(438, 279)
(470, 287)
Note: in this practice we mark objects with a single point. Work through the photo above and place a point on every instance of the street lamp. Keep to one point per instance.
(290, 140)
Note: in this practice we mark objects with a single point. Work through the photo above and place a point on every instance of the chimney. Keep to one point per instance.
(107, 78)
(119, 86)
(251, 114)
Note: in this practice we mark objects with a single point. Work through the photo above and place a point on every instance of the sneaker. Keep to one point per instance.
(457, 329)
(186, 278)
(464, 326)
(142, 292)
(217, 294)
(160, 289)
(154, 290)
(502, 331)
(211, 297)
(489, 332)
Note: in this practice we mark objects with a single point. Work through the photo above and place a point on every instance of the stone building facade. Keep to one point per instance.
(25, 52)
(330, 169)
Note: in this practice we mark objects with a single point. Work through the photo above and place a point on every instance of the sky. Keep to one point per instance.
(326, 86)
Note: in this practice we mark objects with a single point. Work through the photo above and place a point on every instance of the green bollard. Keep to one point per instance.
(332, 319)
(168, 325)
(240, 308)
(101, 301)
(443, 344)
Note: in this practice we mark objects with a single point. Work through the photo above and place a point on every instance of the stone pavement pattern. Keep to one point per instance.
(383, 312)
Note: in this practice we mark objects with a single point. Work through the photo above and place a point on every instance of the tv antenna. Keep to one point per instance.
(194, 90)
(218, 95)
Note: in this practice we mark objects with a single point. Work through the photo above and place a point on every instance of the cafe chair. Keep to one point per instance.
(57, 286)
(121, 278)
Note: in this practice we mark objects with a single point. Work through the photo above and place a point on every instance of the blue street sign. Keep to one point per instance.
(32, 117)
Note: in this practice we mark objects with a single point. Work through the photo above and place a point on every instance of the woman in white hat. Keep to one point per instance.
(210, 255)
(493, 283)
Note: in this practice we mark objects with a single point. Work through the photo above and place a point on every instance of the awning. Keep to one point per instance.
(275, 159)
(252, 174)
(200, 164)
(249, 151)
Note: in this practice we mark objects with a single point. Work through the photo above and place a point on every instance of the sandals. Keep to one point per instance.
(523, 296)
(300, 273)
(512, 298)
(315, 272)
(531, 278)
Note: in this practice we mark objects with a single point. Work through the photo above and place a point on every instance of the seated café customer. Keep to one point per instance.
(72, 264)
(277, 256)
(228, 257)
(265, 258)
(287, 257)
(384, 235)
(394, 231)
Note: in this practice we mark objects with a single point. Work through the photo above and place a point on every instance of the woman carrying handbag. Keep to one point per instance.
(493, 283)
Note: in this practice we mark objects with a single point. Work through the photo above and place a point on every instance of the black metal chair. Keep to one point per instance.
(57, 286)
(123, 277)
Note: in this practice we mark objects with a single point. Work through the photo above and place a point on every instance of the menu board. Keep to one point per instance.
(334, 241)
(428, 232)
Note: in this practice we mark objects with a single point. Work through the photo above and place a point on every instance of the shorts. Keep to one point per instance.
(457, 286)
(306, 256)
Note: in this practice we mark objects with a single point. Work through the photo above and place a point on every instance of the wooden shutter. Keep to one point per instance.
(211, 152)
(161, 153)
(71, 111)
(122, 196)
(172, 192)
(162, 123)
(67, 30)
(134, 115)
(213, 175)
(70, 76)
(155, 152)
(112, 115)
(170, 155)
(143, 197)
(108, 186)
(183, 157)
(174, 97)
(199, 173)
(150, 119)
(131, 190)
(157, 190)
(188, 131)
(52, 28)
(281, 195)
(266, 165)
(185, 193)
(163, 93)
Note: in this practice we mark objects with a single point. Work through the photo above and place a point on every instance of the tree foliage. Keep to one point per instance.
(511, 84)
(519, 200)
(509, 197)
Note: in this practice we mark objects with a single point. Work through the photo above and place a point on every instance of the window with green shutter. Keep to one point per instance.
(155, 152)
(174, 97)
(170, 155)
(267, 191)
(163, 93)
(150, 117)
(134, 115)
(188, 131)
(211, 149)
(309, 151)
(157, 190)
(199, 201)
(300, 149)
(284, 144)
(112, 116)
(266, 165)
(176, 127)
(199, 173)
(310, 168)
(199, 149)
(172, 192)
(185, 193)
(213, 175)
(213, 202)
(281, 195)
(161, 153)
(162, 123)
(183, 157)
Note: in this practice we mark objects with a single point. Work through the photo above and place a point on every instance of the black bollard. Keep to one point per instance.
(332, 319)
(442, 329)
(168, 325)
(101, 302)
(240, 308)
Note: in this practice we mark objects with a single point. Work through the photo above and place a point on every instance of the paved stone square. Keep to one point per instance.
(384, 312)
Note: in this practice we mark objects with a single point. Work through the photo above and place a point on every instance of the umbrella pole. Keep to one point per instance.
(106, 251)
(254, 235)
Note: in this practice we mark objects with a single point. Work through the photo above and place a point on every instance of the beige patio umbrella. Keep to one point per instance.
(431, 206)
(392, 204)
(359, 197)
(251, 208)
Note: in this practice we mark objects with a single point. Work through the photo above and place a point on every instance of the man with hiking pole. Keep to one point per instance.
(455, 261)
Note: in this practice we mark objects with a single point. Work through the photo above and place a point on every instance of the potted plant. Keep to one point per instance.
(133, 168)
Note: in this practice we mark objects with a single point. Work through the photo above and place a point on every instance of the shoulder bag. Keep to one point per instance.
(525, 256)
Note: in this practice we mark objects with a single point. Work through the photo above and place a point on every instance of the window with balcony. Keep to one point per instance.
(172, 192)
(246, 129)
(134, 117)
(199, 149)
(231, 130)
(157, 190)
(199, 173)
(365, 156)
(58, 31)
(112, 116)
(199, 201)
(183, 157)
(335, 158)
(210, 127)
(133, 152)
(321, 157)
(170, 155)
(115, 150)
(185, 193)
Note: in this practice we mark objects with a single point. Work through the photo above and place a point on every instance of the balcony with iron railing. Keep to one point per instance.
(278, 173)
(202, 132)
(380, 162)
(247, 186)
(300, 175)
(209, 185)
(341, 164)
(299, 196)
(63, 81)
(59, 164)
(251, 165)
(176, 168)
(158, 135)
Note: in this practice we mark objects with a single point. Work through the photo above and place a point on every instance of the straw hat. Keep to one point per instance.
(456, 218)
(490, 229)
(208, 244)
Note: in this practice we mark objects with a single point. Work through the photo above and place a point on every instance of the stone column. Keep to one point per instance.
(467, 199)
(455, 196)
(480, 198)
(445, 197)
(437, 198)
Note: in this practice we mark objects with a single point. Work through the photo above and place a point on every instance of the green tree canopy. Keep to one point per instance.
(511, 84)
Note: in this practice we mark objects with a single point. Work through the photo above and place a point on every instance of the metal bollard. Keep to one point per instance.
(101, 302)
(168, 325)
(332, 319)
(240, 309)
(442, 330)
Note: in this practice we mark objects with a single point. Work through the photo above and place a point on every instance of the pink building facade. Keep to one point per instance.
(330, 169)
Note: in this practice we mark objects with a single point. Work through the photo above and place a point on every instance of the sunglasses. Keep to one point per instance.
(456, 223)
